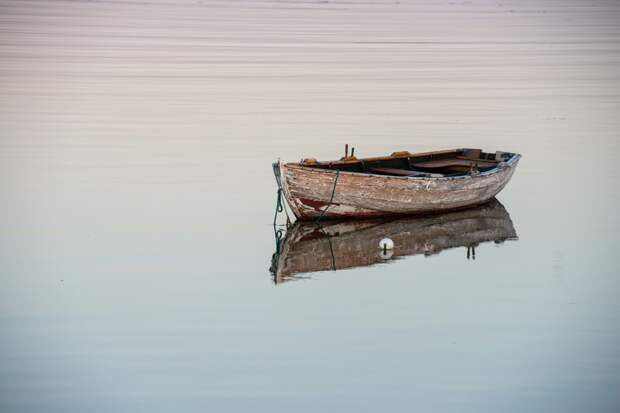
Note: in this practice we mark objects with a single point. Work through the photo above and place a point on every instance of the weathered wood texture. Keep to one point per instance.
(338, 245)
(308, 191)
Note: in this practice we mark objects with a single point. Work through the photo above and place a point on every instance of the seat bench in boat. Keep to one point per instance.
(403, 172)
(446, 163)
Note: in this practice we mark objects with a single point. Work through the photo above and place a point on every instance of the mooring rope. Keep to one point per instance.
(331, 199)
(279, 206)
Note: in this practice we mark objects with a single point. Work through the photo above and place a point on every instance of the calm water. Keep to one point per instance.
(136, 141)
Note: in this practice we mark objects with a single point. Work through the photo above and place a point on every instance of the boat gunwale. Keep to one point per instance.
(500, 166)
(395, 155)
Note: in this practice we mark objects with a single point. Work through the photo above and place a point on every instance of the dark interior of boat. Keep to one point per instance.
(431, 164)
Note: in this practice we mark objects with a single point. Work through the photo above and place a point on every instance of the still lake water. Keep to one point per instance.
(136, 141)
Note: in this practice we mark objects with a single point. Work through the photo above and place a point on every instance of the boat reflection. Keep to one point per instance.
(308, 247)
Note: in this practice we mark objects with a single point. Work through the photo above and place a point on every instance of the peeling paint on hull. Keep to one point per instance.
(360, 195)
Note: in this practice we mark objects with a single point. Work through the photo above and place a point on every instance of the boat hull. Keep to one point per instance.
(310, 191)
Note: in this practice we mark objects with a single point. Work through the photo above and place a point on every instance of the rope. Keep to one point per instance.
(279, 206)
(331, 199)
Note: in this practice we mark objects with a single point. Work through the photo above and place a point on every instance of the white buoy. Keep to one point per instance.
(386, 244)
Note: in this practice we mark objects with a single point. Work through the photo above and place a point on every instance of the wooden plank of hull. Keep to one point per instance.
(308, 191)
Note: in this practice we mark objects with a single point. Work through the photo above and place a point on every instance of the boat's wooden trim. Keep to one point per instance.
(395, 155)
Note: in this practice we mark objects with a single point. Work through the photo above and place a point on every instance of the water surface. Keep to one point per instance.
(136, 141)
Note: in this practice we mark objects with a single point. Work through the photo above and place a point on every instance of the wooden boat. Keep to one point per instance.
(334, 245)
(402, 183)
